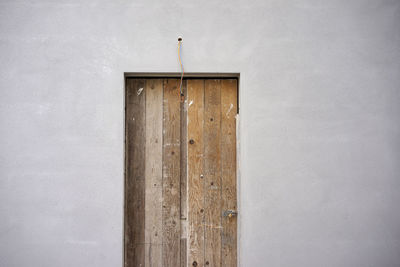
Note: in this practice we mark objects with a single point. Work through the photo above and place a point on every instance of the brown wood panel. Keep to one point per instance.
(171, 173)
(135, 173)
(228, 170)
(183, 189)
(153, 172)
(212, 171)
(180, 173)
(195, 98)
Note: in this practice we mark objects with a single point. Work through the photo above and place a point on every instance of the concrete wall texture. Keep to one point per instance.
(320, 131)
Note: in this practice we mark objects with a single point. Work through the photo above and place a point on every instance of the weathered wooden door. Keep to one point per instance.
(180, 182)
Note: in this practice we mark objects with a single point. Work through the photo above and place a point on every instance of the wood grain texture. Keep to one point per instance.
(171, 174)
(212, 171)
(153, 172)
(183, 189)
(195, 111)
(228, 170)
(180, 173)
(135, 173)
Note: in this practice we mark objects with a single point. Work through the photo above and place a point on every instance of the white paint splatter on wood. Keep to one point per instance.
(229, 110)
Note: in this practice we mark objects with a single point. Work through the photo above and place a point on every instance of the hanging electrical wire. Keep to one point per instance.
(180, 63)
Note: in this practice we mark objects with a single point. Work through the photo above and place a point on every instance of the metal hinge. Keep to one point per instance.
(230, 213)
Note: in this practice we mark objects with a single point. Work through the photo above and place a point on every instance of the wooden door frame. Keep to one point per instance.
(195, 75)
(204, 75)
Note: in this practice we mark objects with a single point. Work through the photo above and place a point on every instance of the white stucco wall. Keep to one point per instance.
(320, 106)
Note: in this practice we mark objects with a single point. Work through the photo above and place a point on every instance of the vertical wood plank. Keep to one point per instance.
(228, 170)
(183, 189)
(195, 111)
(238, 181)
(153, 172)
(135, 173)
(171, 174)
(212, 172)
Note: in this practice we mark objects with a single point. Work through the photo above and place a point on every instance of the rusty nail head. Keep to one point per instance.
(191, 141)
